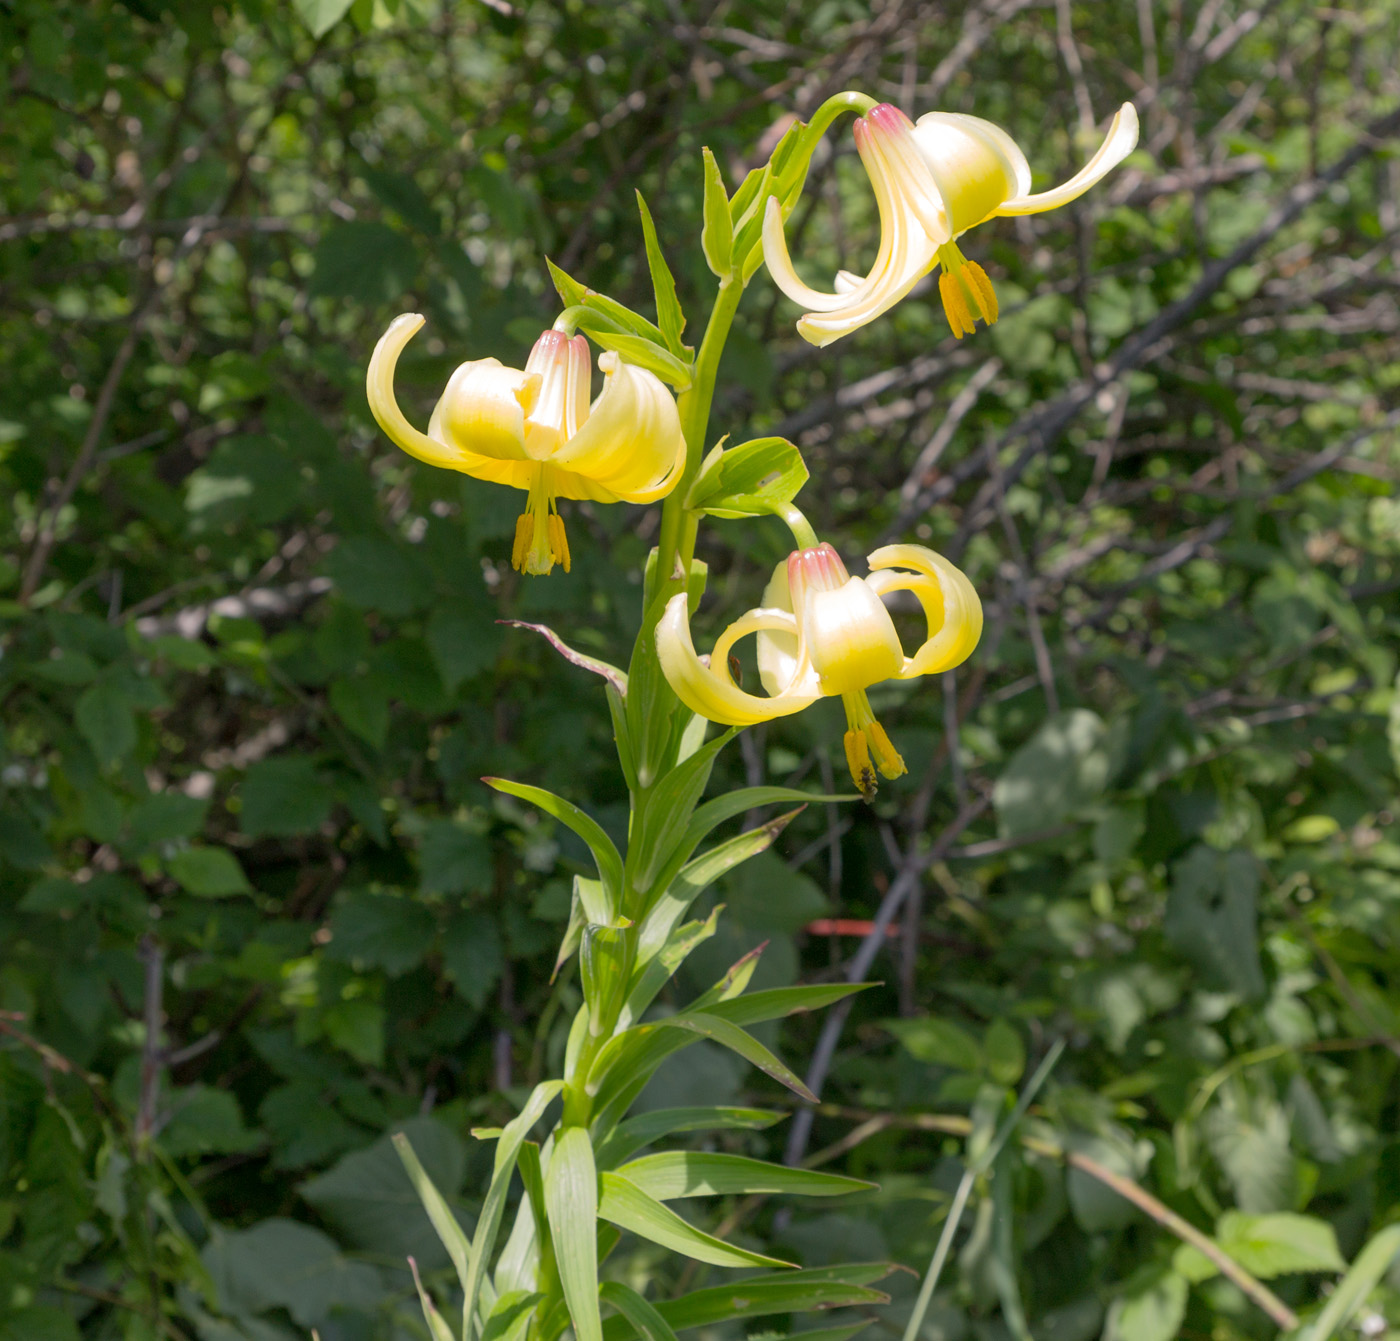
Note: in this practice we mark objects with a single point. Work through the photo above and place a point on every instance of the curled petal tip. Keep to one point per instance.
(1118, 143)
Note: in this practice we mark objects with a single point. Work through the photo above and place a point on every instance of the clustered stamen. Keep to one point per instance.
(867, 736)
(540, 542)
(964, 286)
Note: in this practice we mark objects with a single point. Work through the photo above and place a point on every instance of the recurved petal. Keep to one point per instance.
(379, 388)
(951, 606)
(711, 694)
(913, 224)
(907, 252)
(779, 262)
(1120, 141)
(631, 443)
(778, 650)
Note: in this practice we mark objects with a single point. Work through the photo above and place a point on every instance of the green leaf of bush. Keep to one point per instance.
(208, 872)
(283, 796)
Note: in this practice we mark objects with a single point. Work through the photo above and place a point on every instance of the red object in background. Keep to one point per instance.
(845, 926)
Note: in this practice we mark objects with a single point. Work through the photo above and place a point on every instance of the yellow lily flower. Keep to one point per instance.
(534, 429)
(933, 180)
(822, 632)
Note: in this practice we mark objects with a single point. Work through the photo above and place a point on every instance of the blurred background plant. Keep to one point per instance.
(256, 909)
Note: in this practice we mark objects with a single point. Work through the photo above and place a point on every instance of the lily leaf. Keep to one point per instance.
(717, 234)
(646, 353)
(571, 1195)
(713, 813)
(632, 1134)
(571, 292)
(668, 308)
(660, 968)
(668, 810)
(628, 1207)
(599, 308)
(758, 1296)
(453, 1237)
(749, 480)
(510, 1318)
(650, 1325)
(489, 1223)
(437, 1324)
(698, 1173)
(604, 850)
(682, 889)
(729, 1035)
(775, 1003)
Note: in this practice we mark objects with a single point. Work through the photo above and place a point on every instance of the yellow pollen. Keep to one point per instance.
(965, 290)
(524, 524)
(891, 764)
(539, 533)
(558, 542)
(858, 761)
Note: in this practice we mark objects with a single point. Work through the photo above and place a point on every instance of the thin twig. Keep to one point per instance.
(914, 865)
(954, 1125)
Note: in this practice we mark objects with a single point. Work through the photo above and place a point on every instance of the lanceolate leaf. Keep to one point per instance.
(747, 210)
(667, 811)
(631, 1057)
(644, 353)
(692, 879)
(571, 292)
(604, 850)
(571, 1194)
(489, 1222)
(721, 1031)
(707, 816)
(668, 308)
(600, 307)
(757, 1296)
(749, 480)
(650, 1325)
(776, 1002)
(635, 1132)
(578, 918)
(628, 1207)
(437, 1325)
(659, 968)
(453, 1237)
(698, 1173)
(717, 233)
(510, 1318)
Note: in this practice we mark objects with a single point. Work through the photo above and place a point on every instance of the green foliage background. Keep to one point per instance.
(256, 909)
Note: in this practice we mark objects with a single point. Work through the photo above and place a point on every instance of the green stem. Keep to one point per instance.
(578, 1103)
(811, 134)
(677, 537)
(798, 524)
